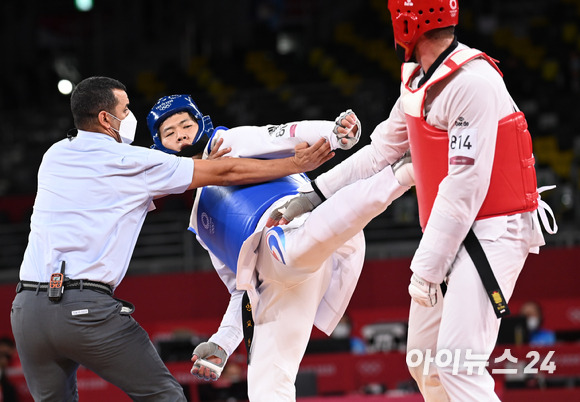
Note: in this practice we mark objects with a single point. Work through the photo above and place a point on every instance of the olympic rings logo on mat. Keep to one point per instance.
(276, 241)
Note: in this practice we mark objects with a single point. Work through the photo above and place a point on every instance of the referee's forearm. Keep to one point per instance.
(238, 171)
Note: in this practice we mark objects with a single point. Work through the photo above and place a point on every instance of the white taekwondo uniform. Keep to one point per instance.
(468, 102)
(296, 275)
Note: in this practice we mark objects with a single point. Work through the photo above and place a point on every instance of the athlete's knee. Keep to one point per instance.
(427, 377)
(417, 370)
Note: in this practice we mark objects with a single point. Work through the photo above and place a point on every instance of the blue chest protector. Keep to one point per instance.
(227, 216)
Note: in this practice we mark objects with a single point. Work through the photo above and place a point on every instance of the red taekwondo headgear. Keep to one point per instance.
(412, 18)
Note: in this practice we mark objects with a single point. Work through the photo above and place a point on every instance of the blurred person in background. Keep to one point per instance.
(8, 391)
(539, 336)
(343, 330)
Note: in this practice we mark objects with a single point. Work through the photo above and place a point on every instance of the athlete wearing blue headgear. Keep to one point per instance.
(308, 269)
(170, 105)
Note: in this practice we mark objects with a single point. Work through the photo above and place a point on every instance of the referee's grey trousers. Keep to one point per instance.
(86, 328)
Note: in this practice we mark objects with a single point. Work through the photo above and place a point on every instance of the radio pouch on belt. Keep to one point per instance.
(56, 285)
(490, 284)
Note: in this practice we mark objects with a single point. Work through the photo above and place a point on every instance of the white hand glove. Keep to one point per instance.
(204, 351)
(403, 170)
(296, 206)
(351, 138)
(423, 292)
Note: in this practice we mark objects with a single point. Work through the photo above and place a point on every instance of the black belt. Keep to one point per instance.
(475, 251)
(70, 284)
(248, 323)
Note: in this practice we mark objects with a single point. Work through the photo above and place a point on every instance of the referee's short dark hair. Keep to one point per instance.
(92, 95)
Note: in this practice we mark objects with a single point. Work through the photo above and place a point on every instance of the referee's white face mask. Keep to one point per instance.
(127, 128)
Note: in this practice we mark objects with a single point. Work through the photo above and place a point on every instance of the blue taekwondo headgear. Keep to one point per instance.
(169, 105)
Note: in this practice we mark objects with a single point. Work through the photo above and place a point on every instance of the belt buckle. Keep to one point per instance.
(19, 287)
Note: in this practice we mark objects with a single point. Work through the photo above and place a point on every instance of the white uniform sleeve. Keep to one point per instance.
(388, 142)
(469, 108)
(272, 142)
(230, 333)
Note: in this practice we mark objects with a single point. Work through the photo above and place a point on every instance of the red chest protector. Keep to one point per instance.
(513, 183)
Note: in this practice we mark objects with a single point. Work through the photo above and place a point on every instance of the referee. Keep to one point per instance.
(94, 191)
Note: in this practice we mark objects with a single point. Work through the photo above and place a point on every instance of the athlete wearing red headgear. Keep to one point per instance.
(411, 19)
(473, 169)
